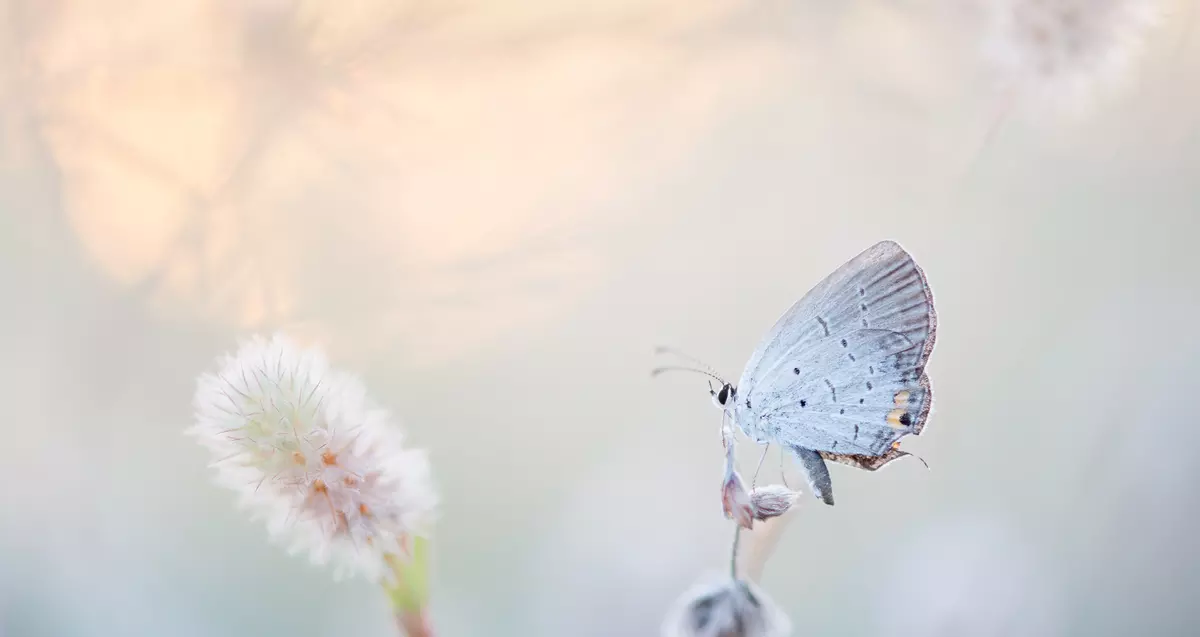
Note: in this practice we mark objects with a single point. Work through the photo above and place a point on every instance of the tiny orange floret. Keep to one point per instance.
(363, 509)
(318, 486)
(298, 457)
(329, 458)
(349, 481)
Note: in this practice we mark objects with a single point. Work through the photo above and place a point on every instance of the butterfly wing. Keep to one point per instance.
(843, 371)
(812, 463)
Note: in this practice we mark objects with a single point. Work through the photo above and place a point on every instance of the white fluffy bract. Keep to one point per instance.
(723, 607)
(306, 450)
(1062, 53)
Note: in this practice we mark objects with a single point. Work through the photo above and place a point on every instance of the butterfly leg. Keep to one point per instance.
(754, 480)
(783, 469)
(817, 473)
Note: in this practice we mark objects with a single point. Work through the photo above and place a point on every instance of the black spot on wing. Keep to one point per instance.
(824, 325)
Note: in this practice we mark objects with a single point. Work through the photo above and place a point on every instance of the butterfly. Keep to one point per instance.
(841, 376)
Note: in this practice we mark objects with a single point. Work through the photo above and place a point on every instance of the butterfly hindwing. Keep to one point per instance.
(859, 405)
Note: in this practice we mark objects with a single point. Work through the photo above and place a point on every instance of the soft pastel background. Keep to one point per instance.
(494, 210)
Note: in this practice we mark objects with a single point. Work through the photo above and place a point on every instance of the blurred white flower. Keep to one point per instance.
(305, 449)
(1063, 52)
(726, 608)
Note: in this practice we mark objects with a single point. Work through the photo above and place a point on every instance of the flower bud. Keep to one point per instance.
(736, 500)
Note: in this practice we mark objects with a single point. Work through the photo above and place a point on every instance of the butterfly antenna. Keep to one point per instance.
(691, 359)
(907, 453)
(677, 368)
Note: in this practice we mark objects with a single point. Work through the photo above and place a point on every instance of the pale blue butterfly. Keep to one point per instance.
(841, 375)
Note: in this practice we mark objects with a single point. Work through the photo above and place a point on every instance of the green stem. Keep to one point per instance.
(733, 553)
(409, 592)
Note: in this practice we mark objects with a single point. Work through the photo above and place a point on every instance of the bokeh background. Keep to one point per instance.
(494, 211)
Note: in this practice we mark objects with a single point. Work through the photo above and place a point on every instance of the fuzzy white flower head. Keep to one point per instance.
(726, 608)
(1062, 53)
(305, 449)
(772, 501)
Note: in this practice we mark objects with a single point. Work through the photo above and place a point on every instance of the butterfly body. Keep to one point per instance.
(841, 375)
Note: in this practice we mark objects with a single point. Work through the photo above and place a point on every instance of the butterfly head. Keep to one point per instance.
(723, 397)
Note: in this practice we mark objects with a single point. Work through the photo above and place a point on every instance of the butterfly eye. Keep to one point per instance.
(723, 395)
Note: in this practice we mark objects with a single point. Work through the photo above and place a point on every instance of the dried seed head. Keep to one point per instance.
(772, 501)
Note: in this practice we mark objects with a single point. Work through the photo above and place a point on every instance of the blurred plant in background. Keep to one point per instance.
(182, 132)
(726, 608)
(1064, 54)
(306, 450)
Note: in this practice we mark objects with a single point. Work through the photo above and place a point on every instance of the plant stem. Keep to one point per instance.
(414, 623)
(733, 552)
